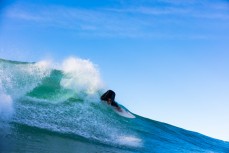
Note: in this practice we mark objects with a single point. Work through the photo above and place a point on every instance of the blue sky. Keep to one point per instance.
(166, 59)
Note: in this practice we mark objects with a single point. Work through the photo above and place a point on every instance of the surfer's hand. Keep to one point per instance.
(109, 101)
(119, 109)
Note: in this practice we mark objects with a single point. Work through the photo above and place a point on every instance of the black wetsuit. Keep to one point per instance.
(109, 95)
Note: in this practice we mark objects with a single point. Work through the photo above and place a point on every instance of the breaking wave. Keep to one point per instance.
(64, 99)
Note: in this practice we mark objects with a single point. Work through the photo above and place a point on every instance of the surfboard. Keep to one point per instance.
(124, 113)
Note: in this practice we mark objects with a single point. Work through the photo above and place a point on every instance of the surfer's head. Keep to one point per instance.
(108, 96)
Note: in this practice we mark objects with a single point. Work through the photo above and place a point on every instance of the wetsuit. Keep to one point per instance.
(109, 95)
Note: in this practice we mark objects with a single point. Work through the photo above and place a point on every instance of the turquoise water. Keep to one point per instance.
(47, 109)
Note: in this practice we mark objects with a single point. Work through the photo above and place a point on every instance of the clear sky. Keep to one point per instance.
(167, 60)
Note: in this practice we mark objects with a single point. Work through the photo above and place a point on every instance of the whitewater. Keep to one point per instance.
(47, 107)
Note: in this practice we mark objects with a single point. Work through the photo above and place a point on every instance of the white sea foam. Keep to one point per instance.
(81, 76)
(130, 141)
(6, 104)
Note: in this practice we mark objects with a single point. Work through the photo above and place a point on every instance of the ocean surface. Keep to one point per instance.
(51, 108)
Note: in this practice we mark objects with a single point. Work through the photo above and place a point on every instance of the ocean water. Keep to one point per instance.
(52, 108)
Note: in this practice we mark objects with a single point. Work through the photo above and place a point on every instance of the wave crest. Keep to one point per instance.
(81, 75)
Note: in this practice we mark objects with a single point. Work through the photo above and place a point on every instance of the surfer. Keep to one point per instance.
(109, 97)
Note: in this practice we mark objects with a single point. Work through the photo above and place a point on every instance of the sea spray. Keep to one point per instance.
(18, 78)
(6, 106)
(82, 76)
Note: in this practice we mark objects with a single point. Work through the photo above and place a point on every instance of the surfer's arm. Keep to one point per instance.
(118, 109)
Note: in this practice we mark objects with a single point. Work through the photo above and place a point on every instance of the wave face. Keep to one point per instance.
(60, 108)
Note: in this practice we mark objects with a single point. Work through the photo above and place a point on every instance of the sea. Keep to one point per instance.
(56, 108)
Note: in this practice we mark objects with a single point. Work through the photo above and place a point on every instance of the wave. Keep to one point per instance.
(64, 99)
